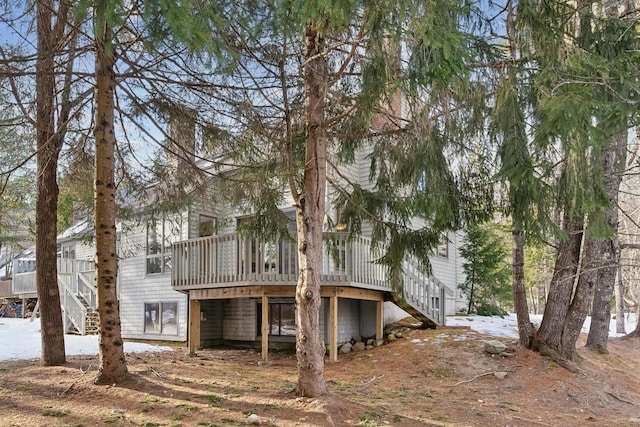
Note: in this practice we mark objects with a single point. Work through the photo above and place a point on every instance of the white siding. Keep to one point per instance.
(85, 251)
(450, 272)
(137, 288)
(368, 313)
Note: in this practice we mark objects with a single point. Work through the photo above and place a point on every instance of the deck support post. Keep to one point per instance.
(194, 325)
(333, 328)
(265, 328)
(379, 320)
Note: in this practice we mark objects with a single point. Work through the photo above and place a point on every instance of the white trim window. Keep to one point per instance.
(442, 249)
(160, 234)
(206, 225)
(161, 318)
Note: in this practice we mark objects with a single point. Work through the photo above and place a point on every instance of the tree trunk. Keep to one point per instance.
(582, 296)
(112, 365)
(619, 295)
(471, 295)
(525, 330)
(310, 210)
(614, 160)
(51, 325)
(552, 328)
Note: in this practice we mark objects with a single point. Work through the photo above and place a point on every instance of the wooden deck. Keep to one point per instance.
(218, 263)
(232, 260)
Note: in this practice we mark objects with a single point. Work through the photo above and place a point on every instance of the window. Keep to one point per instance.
(443, 246)
(161, 318)
(282, 318)
(69, 252)
(160, 234)
(206, 225)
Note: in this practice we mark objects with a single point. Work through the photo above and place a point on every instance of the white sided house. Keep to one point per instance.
(185, 278)
(191, 277)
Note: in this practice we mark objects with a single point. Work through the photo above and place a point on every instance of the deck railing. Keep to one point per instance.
(76, 283)
(232, 259)
(423, 292)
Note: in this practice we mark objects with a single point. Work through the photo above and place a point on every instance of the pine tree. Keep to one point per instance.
(487, 269)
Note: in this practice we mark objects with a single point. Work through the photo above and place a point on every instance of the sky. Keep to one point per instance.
(20, 338)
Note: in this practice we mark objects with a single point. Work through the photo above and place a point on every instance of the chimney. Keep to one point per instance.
(182, 135)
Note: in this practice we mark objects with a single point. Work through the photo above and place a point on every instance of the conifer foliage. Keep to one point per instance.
(487, 269)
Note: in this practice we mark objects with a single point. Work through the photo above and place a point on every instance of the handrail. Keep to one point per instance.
(75, 281)
(87, 288)
(72, 306)
(423, 292)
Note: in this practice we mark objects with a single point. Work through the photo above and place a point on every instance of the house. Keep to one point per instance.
(191, 277)
(185, 278)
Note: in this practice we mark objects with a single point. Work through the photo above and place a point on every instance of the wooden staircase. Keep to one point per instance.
(422, 296)
(78, 297)
(91, 321)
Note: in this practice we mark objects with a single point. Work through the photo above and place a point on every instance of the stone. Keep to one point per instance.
(378, 343)
(399, 335)
(370, 341)
(494, 347)
(368, 347)
(500, 375)
(634, 420)
(359, 346)
(356, 339)
(391, 337)
(253, 419)
(345, 348)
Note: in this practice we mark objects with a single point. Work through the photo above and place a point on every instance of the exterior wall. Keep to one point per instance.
(392, 313)
(85, 251)
(449, 271)
(368, 311)
(240, 321)
(136, 288)
(211, 322)
(348, 319)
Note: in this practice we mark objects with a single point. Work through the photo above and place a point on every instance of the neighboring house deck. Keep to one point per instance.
(78, 297)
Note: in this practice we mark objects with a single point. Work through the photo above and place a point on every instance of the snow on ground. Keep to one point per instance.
(507, 327)
(20, 339)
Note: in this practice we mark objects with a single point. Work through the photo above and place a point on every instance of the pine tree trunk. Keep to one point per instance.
(112, 365)
(310, 210)
(525, 330)
(582, 297)
(614, 160)
(552, 328)
(51, 325)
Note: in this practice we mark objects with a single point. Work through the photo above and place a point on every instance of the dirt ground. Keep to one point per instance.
(428, 377)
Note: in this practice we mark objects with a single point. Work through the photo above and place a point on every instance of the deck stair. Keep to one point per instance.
(422, 295)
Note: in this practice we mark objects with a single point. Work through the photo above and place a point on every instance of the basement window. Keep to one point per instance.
(161, 318)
